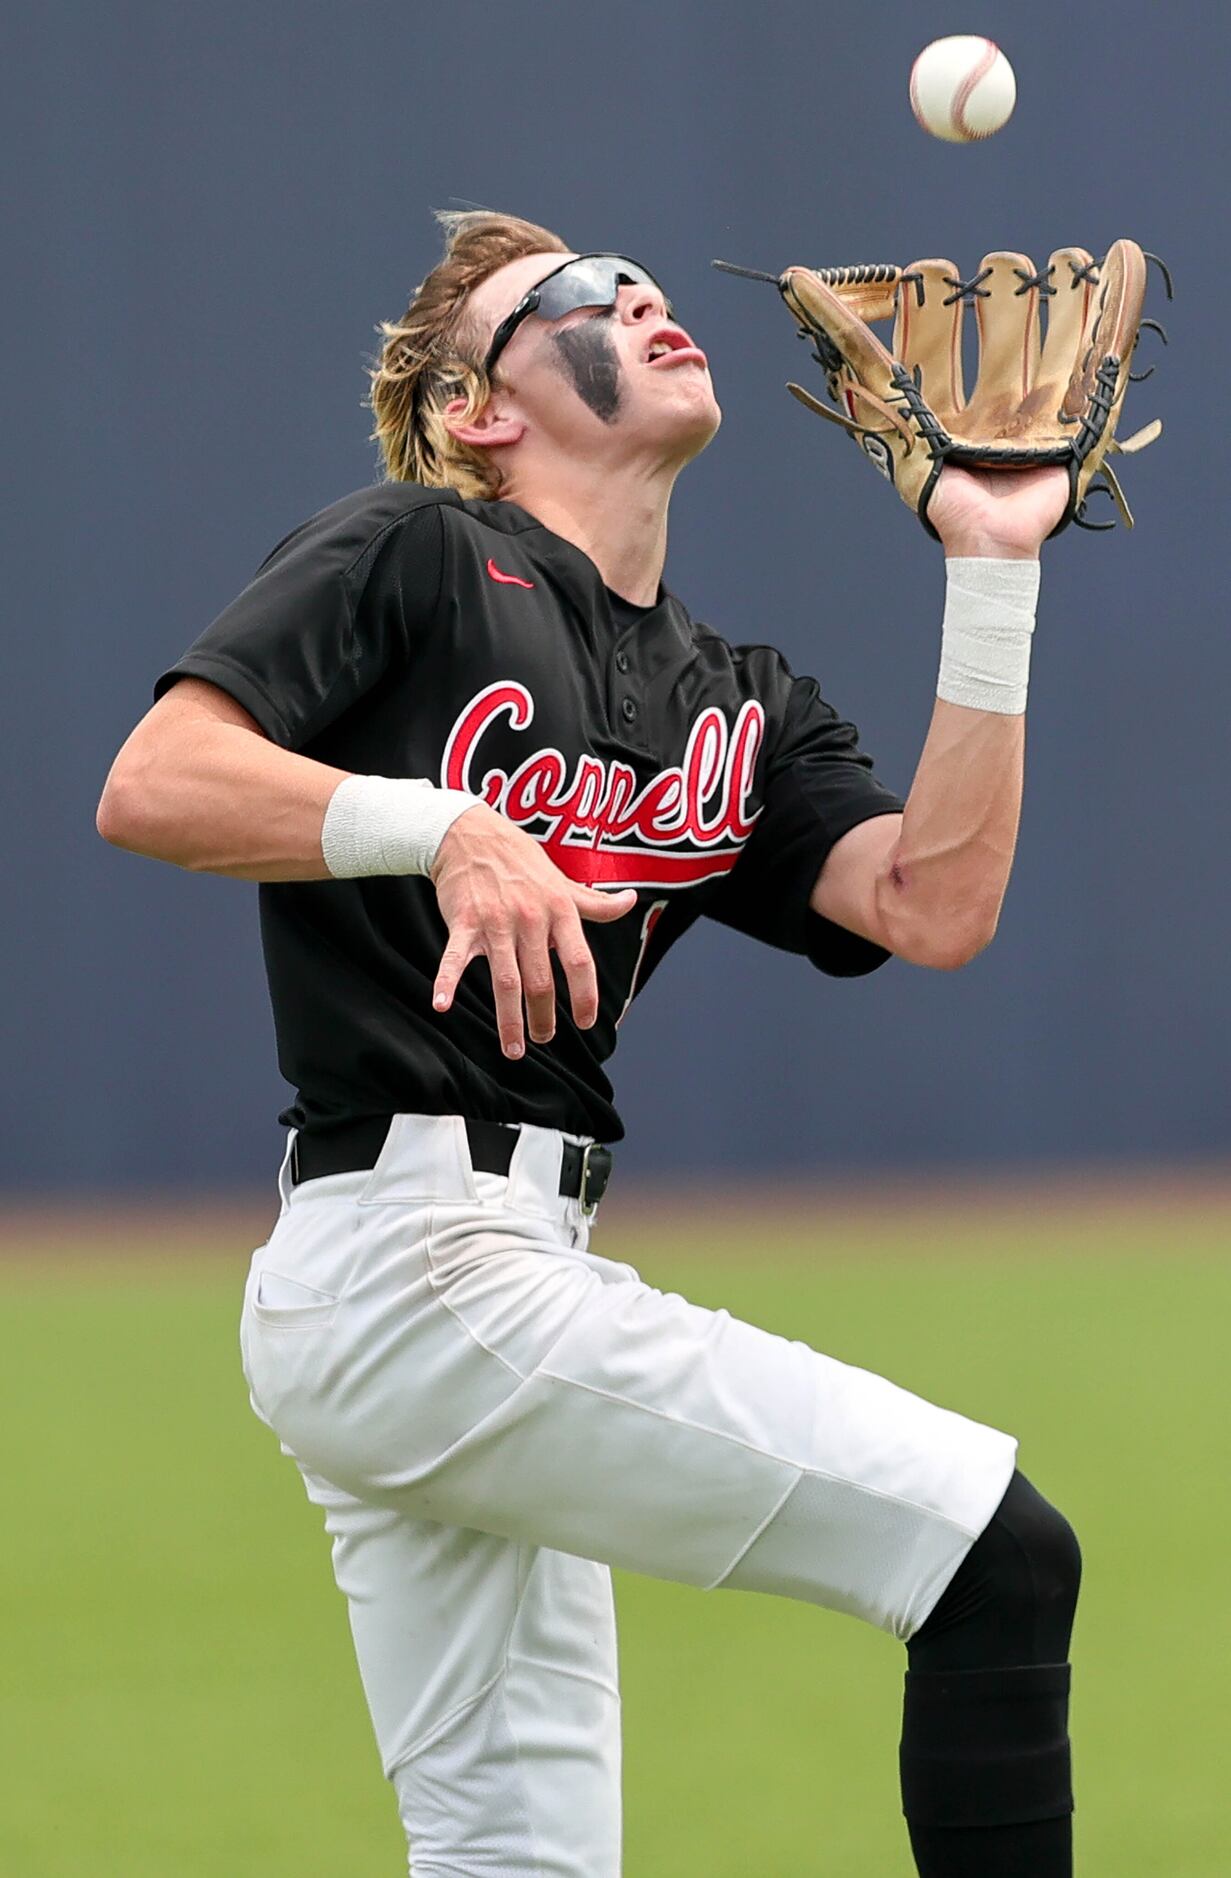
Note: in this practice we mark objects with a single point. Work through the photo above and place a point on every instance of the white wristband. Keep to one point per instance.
(985, 641)
(388, 825)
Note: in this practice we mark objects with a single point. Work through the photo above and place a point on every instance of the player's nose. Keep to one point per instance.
(641, 302)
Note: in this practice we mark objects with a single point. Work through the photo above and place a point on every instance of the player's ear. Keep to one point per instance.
(496, 422)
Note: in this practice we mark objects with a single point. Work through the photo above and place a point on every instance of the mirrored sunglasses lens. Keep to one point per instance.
(588, 282)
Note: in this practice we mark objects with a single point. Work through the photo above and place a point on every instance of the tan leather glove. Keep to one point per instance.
(1042, 395)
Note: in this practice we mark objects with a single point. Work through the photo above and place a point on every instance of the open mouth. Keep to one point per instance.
(670, 346)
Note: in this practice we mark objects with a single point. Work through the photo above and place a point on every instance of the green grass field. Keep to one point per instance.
(178, 1699)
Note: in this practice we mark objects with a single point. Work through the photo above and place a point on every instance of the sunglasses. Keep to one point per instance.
(588, 280)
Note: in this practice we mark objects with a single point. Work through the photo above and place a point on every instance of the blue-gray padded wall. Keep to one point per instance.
(213, 207)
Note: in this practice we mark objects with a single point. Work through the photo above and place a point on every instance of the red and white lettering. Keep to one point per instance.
(685, 826)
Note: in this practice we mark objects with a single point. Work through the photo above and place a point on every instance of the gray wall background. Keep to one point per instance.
(210, 210)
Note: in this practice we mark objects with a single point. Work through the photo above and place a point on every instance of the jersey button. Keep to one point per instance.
(621, 661)
(628, 711)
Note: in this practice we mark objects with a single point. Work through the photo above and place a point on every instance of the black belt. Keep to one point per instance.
(584, 1172)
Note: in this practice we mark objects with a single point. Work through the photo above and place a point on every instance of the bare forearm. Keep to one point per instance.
(949, 869)
(948, 873)
(929, 885)
(213, 796)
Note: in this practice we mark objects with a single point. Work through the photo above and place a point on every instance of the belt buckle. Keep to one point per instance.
(596, 1160)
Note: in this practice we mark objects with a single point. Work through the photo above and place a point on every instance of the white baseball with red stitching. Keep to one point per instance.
(962, 89)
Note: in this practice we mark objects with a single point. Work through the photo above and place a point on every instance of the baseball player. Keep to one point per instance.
(488, 770)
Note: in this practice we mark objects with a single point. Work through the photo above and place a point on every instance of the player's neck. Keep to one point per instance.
(616, 515)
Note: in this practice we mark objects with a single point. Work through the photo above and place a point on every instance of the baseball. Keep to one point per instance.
(962, 88)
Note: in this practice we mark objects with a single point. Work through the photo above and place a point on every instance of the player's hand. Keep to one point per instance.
(503, 899)
(997, 514)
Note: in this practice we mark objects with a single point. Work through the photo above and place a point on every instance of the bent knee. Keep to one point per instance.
(1055, 1557)
(1013, 1599)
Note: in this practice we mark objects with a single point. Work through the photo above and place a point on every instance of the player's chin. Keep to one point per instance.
(687, 413)
(705, 428)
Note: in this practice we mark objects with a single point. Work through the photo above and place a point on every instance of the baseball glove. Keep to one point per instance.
(1042, 395)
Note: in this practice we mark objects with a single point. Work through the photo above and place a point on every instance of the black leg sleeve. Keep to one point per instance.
(985, 1751)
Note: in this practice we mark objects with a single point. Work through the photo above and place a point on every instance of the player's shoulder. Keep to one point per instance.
(747, 671)
(372, 514)
(755, 662)
(345, 530)
(505, 517)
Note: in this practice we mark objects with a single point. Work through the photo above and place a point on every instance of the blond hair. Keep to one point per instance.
(431, 356)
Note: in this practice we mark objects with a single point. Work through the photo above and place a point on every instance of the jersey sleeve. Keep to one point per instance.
(818, 786)
(327, 614)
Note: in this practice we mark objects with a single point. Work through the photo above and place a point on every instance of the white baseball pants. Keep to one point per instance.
(490, 1416)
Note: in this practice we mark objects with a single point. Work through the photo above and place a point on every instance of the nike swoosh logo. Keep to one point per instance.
(507, 580)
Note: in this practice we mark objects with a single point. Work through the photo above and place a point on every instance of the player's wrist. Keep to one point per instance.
(388, 825)
(967, 546)
(464, 836)
(987, 632)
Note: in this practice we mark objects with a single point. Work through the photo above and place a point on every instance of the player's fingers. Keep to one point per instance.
(538, 985)
(453, 962)
(578, 962)
(507, 991)
(592, 904)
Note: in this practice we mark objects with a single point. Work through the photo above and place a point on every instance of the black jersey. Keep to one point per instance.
(405, 632)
